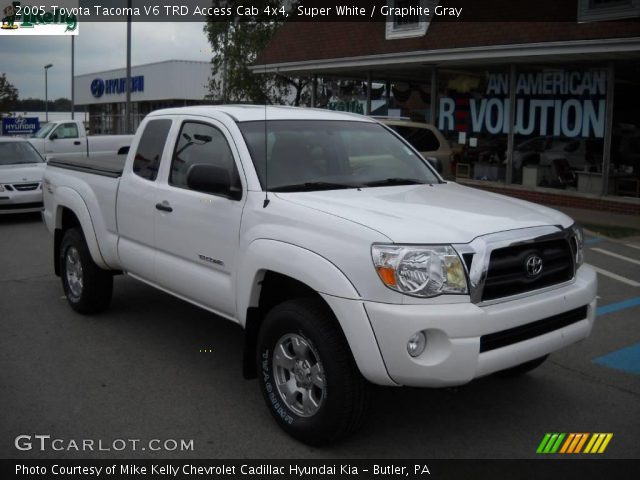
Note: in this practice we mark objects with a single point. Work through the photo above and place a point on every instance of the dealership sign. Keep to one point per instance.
(571, 104)
(26, 19)
(20, 125)
(100, 87)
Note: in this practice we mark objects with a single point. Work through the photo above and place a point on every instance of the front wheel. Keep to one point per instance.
(308, 376)
(88, 288)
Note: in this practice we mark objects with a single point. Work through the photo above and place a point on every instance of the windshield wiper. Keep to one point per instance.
(395, 181)
(311, 186)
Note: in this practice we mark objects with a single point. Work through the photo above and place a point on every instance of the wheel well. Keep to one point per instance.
(275, 288)
(68, 220)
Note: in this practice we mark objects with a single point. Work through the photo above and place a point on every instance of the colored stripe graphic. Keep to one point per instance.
(574, 443)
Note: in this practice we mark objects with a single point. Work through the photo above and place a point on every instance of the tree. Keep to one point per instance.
(236, 44)
(8, 94)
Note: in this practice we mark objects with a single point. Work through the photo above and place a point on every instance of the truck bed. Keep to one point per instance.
(107, 165)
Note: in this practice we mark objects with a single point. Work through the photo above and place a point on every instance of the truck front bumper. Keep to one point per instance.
(467, 341)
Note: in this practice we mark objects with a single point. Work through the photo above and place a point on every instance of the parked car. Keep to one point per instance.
(70, 137)
(428, 140)
(337, 248)
(21, 171)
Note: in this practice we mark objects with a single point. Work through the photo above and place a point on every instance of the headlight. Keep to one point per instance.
(421, 271)
(578, 239)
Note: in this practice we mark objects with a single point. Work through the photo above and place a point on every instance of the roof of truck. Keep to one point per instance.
(248, 113)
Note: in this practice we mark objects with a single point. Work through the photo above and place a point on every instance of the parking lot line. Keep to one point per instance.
(637, 247)
(615, 276)
(626, 359)
(615, 255)
(615, 307)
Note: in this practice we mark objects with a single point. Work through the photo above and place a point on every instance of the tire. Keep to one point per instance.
(523, 368)
(307, 374)
(88, 288)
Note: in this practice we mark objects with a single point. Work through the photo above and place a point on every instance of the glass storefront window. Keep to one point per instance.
(560, 119)
(624, 167)
(473, 116)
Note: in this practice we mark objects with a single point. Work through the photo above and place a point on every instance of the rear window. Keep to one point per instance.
(422, 139)
(147, 160)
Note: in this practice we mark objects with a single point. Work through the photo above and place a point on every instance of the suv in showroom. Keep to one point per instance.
(427, 139)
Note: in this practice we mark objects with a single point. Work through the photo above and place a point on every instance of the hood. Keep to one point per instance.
(442, 213)
(32, 172)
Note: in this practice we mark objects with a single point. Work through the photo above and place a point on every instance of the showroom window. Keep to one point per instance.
(600, 10)
(560, 120)
(473, 114)
(624, 159)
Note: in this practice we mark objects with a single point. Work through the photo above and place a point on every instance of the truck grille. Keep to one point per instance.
(509, 272)
(24, 187)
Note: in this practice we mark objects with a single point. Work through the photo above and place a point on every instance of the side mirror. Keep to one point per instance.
(53, 136)
(205, 178)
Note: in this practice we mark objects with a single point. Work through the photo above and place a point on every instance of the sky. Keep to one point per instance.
(98, 47)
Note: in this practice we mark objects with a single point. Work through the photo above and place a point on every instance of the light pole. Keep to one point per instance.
(46, 93)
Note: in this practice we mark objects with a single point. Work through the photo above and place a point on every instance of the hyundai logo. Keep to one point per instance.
(97, 87)
(533, 265)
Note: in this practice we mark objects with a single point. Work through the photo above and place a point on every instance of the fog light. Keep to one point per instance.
(416, 344)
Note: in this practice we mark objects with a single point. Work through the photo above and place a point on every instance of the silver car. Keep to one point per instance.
(21, 172)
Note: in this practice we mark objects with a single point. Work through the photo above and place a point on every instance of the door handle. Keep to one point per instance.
(164, 206)
(77, 142)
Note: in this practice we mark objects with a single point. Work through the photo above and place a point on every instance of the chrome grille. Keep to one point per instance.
(508, 275)
(24, 187)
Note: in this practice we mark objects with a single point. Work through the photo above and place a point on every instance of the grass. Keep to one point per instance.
(611, 231)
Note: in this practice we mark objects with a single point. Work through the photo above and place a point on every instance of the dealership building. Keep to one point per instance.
(543, 110)
(172, 83)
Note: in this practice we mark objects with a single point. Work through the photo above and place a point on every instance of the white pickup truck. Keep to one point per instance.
(69, 137)
(338, 249)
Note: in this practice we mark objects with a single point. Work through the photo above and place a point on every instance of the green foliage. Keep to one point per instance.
(8, 95)
(236, 44)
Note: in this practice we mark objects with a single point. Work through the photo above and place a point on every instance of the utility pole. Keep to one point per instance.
(46, 92)
(127, 106)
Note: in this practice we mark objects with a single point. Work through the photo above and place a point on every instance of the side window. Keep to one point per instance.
(67, 130)
(201, 144)
(147, 159)
(422, 139)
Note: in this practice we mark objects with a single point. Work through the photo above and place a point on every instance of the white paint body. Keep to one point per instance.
(322, 239)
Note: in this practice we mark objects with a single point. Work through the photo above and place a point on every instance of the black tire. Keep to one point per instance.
(523, 368)
(341, 404)
(92, 293)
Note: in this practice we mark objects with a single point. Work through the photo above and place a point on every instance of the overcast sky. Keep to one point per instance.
(98, 47)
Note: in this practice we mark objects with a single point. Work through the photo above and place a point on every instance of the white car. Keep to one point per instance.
(21, 171)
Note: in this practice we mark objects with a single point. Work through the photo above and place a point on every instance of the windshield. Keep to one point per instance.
(44, 131)
(325, 155)
(14, 153)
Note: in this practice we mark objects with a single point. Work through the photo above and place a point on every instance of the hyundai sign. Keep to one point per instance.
(20, 125)
(112, 86)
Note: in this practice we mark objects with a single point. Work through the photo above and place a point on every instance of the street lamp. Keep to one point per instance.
(46, 93)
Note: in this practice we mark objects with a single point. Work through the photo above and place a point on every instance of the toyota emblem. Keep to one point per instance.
(533, 265)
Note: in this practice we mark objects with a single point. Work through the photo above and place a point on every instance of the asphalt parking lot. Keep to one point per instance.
(140, 371)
